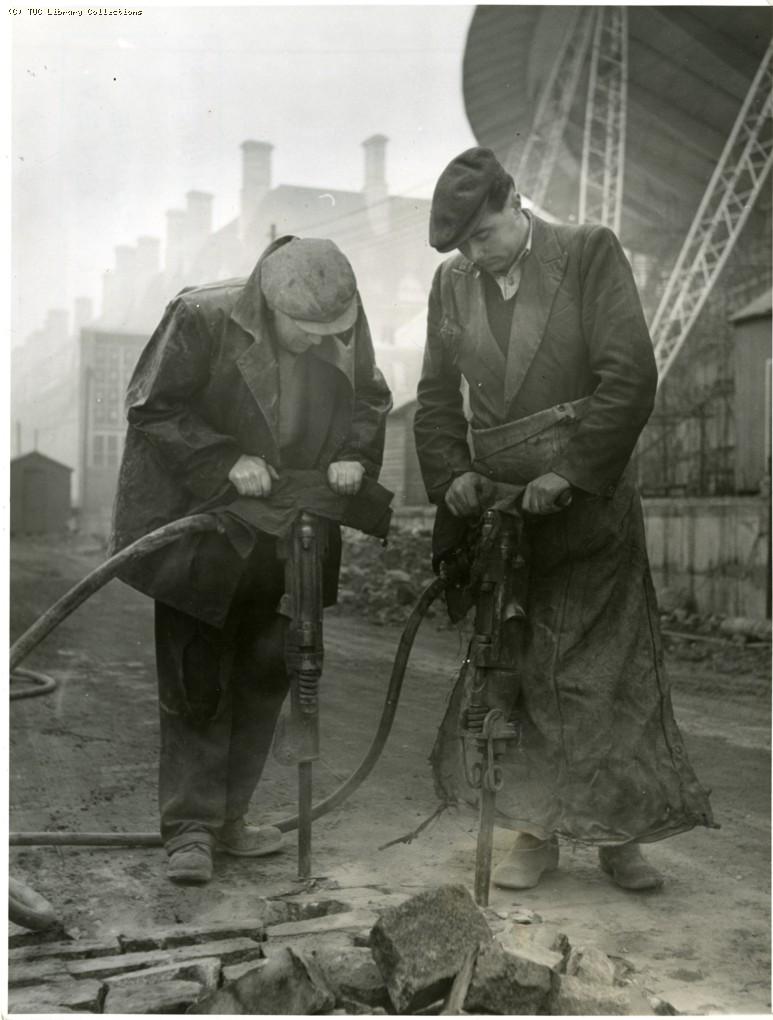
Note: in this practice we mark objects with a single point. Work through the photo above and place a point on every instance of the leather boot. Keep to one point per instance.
(242, 840)
(627, 867)
(526, 862)
(191, 863)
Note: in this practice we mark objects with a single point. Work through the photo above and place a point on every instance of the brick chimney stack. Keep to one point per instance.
(108, 295)
(176, 230)
(375, 187)
(56, 326)
(83, 312)
(148, 258)
(125, 278)
(199, 208)
(256, 179)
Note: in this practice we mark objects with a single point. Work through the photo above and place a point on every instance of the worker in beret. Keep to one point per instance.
(241, 380)
(544, 323)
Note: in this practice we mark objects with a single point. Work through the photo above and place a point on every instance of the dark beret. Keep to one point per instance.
(460, 196)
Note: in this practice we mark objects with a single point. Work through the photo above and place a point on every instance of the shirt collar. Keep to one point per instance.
(510, 281)
(523, 254)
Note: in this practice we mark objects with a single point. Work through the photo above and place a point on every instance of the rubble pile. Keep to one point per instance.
(382, 583)
(429, 954)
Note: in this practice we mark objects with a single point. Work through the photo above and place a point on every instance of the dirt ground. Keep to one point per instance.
(84, 759)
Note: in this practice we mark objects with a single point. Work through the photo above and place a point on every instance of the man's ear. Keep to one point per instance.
(516, 201)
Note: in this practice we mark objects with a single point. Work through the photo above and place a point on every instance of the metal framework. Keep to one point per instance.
(603, 149)
(540, 154)
(724, 209)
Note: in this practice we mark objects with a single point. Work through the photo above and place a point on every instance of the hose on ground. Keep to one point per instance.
(34, 683)
(104, 573)
(99, 577)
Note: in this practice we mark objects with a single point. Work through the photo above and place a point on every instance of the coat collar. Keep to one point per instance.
(542, 273)
(258, 364)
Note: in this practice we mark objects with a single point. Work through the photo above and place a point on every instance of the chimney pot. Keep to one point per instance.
(176, 224)
(375, 163)
(256, 178)
(83, 313)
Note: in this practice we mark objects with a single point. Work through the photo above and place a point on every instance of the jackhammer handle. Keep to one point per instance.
(496, 492)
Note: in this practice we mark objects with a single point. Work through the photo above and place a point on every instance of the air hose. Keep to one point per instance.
(108, 570)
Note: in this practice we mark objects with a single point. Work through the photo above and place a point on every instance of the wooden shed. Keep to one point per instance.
(40, 495)
(401, 472)
(752, 358)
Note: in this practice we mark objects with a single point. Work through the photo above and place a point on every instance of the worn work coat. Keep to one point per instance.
(601, 758)
(204, 392)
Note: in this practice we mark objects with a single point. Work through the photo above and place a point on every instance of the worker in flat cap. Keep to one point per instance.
(543, 322)
(241, 381)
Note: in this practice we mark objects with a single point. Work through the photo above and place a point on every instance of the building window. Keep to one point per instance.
(98, 453)
(112, 451)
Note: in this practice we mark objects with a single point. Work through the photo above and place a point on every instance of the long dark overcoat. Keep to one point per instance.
(601, 757)
(204, 392)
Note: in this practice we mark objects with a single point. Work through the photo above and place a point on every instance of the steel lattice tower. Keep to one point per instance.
(603, 150)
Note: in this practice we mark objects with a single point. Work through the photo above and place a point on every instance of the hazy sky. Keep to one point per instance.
(116, 117)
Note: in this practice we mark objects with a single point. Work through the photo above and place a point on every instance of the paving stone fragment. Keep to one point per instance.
(56, 996)
(75, 949)
(169, 938)
(151, 994)
(32, 972)
(235, 970)
(307, 944)
(350, 1007)
(643, 1003)
(506, 983)
(420, 945)
(591, 965)
(206, 972)
(574, 997)
(352, 975)
(228, 951)
(535, 944)
(307, 905)
(287, 984)
(353, 920)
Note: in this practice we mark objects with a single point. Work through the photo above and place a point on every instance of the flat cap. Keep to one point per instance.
(311, 280)
(460, 195)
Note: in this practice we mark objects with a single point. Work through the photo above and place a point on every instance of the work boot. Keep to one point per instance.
(191, 863)
(627, 867)
(526, 862)
(242, 840)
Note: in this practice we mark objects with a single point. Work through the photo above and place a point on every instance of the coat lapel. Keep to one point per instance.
(486, 349)
(543, 272)
(258, 364)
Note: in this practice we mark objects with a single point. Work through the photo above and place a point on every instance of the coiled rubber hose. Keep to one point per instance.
(108, 570)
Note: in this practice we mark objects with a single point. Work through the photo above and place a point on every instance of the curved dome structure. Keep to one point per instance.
(689, 69)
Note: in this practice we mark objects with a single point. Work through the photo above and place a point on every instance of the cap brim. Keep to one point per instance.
(344, 321)
(465, 231)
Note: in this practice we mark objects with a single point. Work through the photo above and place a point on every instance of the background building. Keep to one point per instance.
(40, 495)
(69, 385)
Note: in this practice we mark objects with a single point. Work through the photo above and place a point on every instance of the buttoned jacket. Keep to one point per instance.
(578, 330)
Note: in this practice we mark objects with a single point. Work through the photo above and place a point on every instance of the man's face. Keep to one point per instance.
(290, 335)
(497, 239)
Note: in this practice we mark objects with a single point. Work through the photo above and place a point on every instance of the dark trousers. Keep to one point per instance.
(220, 694)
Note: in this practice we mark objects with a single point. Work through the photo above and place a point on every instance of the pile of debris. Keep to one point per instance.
(434, 953)
(382, 583)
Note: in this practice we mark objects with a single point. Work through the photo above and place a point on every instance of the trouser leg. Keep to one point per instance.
(195, 702)
(259, 687)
